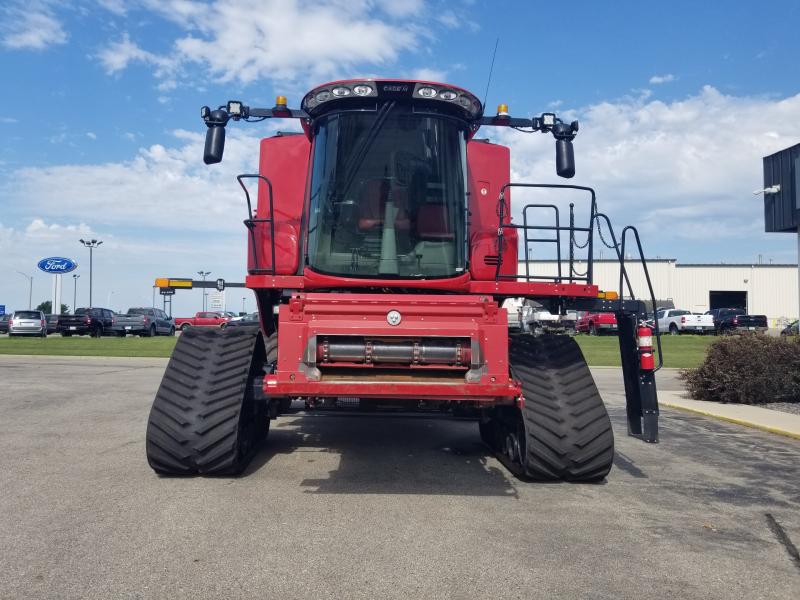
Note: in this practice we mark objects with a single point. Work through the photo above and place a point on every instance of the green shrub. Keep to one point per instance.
(747, 370)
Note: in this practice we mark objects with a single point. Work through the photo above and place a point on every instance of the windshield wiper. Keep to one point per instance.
(361, 152)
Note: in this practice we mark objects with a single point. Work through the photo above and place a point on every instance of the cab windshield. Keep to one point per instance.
(388, 197)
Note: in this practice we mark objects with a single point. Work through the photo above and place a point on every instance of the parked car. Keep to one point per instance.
(791, 329)
(596, 323)
(247, 320)
(4, 319)
(144, 322)
(27, 322)
(736, 320)
(95, 322)
(52, 323)
(676, 321)
(202, 319)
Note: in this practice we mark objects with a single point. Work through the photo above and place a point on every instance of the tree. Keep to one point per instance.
(47, 305)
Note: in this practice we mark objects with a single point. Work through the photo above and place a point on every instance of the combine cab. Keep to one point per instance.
(381, 247)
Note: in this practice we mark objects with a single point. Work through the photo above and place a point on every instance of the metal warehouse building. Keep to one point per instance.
(764, 289)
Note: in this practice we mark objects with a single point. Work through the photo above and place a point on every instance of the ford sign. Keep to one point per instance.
(57, 265)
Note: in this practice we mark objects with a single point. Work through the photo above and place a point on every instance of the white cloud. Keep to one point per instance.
(426, 74)
(117, 7)
(276, 39)
(91, 135)
(30, 26)
(118, 55)
(682, 170)
(8, 120)
(159, 188)
(659, 79)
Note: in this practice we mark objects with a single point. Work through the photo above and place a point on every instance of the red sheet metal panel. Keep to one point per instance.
(308, 316)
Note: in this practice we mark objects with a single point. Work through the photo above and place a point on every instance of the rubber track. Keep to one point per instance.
(194, 423)
(568, 432)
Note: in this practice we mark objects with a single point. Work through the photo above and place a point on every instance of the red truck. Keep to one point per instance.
(596, 323)
(202, 319)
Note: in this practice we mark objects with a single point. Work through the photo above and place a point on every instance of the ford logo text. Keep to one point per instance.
(56, 265)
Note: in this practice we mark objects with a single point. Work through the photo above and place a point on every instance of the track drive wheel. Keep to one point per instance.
(562, 431)
(209, 414)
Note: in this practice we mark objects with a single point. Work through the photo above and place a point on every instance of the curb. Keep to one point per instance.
(768, 428)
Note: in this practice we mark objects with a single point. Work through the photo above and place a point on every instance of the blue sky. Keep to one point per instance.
(99, 113)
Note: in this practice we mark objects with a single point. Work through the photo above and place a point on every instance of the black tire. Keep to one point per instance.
(673, 329)
(593, 329)
(171, 331)
(185, 326)
(567, 431)
(206, 417)
(97, 332)
(152, 331)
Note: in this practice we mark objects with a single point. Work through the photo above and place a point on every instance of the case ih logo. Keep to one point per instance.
(57, 265)
(395, 87)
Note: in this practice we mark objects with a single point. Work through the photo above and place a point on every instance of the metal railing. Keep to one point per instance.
(252, 223)
(596, 219)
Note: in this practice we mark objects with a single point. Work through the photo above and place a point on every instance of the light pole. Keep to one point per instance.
(91, 245)
(30, 287)
(203, 274)
(243, 310)
(75, 292)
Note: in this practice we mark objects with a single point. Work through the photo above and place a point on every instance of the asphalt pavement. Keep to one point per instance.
(376, 506)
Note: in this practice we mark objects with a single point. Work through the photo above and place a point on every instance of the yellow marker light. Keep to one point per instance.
(162, 282)
(280, 102)
(502, 110)
(608, 295)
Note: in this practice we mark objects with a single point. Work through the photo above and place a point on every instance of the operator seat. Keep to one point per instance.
(372, 206)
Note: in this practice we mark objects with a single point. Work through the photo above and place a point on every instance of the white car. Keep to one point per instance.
(27, 322)
(676, 321)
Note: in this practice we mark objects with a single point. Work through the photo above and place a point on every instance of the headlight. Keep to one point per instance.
(426, 92)
(341, 91)
(323, 96)
(447, 95)
(362, 90)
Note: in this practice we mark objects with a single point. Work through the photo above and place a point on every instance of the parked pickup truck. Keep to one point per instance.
(144, 322)
(677, 321)
(596, 323)
(736, 320)
(202, 319)
(95, 322)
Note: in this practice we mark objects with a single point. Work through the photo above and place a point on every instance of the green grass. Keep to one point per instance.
(679, 351)
(601, 351)
(56, 345)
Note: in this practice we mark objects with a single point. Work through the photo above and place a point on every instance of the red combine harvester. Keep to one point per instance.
(380, 251)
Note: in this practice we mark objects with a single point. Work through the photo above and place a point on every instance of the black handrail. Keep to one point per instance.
(623, 237)
(558, 229)
(251, 222)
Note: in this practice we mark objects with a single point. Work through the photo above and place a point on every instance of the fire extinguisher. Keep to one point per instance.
(644, 340)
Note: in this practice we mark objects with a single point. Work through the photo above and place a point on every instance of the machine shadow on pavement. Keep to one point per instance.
(395, 453)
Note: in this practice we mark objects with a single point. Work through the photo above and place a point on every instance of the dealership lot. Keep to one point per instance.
(370, 506)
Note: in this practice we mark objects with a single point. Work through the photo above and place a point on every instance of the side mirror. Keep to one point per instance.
(215, 144)
(565, 158)
(215, 137)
